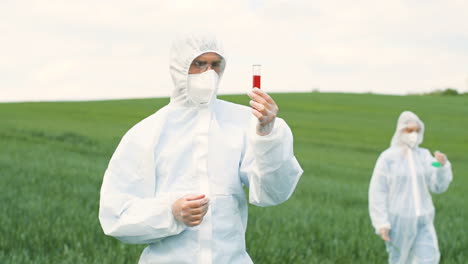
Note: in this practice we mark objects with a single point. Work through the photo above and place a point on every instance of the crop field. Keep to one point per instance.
(53, 156)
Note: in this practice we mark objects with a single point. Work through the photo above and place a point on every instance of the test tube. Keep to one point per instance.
(256, 71)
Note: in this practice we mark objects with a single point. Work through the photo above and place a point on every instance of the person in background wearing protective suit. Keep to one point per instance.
(176, 179)
(400, 203)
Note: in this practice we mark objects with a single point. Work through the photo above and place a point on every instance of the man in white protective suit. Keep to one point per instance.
(400, 203)
(176, 179)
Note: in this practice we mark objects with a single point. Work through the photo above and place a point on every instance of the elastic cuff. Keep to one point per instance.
(272, 133)
(264, 144)
(377, 229)
(447, 165)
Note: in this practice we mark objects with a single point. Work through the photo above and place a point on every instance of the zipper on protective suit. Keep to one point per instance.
(414, 183)
(201, 159)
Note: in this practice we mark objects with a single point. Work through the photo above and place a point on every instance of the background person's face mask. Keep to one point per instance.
(203, 86)
(410, 139)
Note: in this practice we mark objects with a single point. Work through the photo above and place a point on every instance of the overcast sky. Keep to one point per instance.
(84, 49)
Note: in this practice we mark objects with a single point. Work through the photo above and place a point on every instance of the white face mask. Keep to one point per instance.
(410, 139)
(203, 86)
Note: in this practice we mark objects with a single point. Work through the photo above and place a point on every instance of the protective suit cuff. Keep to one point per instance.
(377, 229)
(447, 165)
(176, 227)
(265, 143)
(273, 131)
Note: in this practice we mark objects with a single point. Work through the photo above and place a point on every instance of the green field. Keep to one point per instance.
(53, 156)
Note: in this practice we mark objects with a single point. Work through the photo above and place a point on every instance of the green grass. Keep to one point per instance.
(53, 155)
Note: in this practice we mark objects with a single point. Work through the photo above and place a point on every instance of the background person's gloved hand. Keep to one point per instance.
(384, 234)
(440, 157)
(190, 209)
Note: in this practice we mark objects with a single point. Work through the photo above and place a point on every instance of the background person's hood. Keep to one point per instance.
(184, 50)
(406, 118)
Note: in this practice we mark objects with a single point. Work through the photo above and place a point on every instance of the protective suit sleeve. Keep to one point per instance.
(269, 167)
(378, 196)
(129, 209)
(438, 179)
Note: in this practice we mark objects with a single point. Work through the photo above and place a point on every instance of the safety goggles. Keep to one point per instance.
(204, 65)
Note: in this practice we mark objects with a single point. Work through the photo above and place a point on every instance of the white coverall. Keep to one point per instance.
(399, 197)
(185, 148)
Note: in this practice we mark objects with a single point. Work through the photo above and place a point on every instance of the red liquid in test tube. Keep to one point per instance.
(256, 75)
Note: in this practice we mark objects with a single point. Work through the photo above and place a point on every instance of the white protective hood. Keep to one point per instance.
(184, 50)
(406, 118)
(185, 148)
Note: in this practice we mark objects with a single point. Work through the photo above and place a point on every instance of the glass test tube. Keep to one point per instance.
(256, 71)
